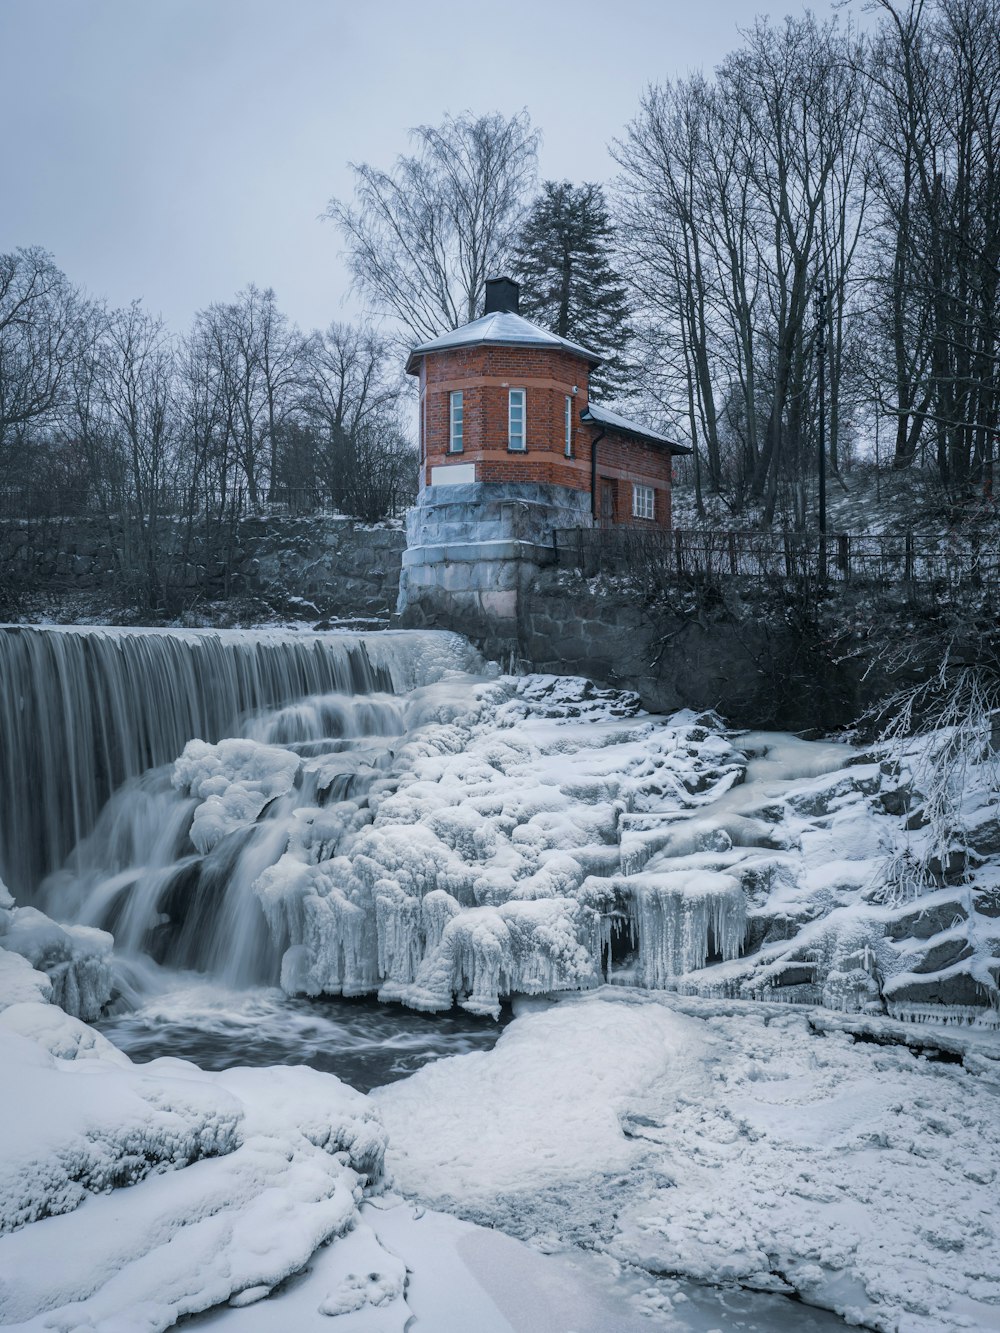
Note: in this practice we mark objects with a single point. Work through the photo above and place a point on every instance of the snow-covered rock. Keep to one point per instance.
(82, 1129)
(68, 965)
(234, 1179)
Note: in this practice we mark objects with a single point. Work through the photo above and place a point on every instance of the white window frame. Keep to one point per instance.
(569, 426)
(522, 395)
(456, 422)
(643, 501)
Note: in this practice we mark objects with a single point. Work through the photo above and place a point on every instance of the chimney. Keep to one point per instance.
(501, 295)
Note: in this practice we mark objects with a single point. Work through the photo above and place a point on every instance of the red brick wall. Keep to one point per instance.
(485, 374)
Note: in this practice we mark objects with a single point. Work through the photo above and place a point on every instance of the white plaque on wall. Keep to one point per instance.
(453, 474)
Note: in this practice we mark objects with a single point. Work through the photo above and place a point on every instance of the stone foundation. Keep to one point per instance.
(473, 551)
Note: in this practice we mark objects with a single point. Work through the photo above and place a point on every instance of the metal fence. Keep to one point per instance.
(958, 558)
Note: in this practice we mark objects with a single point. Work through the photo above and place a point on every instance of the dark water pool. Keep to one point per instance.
(361, 1041)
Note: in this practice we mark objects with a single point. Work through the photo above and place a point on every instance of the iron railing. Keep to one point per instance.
(951, 558)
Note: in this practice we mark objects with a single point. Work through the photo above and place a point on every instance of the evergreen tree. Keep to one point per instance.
(569, 284)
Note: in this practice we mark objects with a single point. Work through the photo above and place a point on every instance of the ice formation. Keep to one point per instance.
(69, 965)
(430, 836)
(457, 841)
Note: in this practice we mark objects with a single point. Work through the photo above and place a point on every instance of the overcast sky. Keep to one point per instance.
(175, 150)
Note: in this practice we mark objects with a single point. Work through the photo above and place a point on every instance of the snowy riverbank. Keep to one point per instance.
(740, 1117)
(641, 1145)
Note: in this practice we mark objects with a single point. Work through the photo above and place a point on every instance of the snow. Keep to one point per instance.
(694, 1139)
(40, 960)
(234, 1180)
(718, 1145)
(82, 1128)
(460, 1277)
(502, 326)
(471, 839)
(59, 1033)
(19, 982)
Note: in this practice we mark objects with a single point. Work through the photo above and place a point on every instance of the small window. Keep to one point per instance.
(422, 425)
(643, 502)
(456, 445)
(569, 426)
(515, 419)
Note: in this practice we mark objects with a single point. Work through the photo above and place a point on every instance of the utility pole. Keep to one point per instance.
(821, 380)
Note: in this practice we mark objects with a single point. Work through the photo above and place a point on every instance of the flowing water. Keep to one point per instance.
(84, 710)
(93, 829)
(363, 1042)
(91, 722)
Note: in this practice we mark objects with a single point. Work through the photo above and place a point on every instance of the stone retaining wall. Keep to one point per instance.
(343, 567)
(592, 628)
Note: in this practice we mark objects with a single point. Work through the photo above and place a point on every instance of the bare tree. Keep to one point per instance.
(663, 157)
(737, 194)
(361, 455)
(40, 320)
(137, 386)
(897, 138)
(423, 237)
(258, 368)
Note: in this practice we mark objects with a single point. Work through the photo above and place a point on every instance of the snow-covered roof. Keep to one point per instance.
(498, 328)
(612, 421)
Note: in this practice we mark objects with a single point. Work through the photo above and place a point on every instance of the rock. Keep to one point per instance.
(982, 833)
(958, 989)
(896, 802)
(951, 870)
(922, 922)
(944, 954)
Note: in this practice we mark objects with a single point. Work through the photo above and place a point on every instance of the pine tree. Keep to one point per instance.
(569, 284)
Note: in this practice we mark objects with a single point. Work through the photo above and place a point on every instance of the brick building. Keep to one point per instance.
(503, 401)
(511, 451)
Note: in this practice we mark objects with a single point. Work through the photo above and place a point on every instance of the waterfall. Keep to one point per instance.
(83, 710)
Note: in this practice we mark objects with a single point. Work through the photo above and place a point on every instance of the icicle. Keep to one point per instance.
(679, 915)
(952, 1015)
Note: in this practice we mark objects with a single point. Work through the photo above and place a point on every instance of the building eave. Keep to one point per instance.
(614, 424)
(523, 334)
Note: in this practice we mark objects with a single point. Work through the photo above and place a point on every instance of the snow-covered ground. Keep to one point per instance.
(741, 1105)
(137, 1195)
(642, 1144)
(233, 1179)
(723, 1142)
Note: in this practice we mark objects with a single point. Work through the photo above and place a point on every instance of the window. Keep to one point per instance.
(643, 502)
(422, 423)
(456, 445)
(569, 426)
(515, 419)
